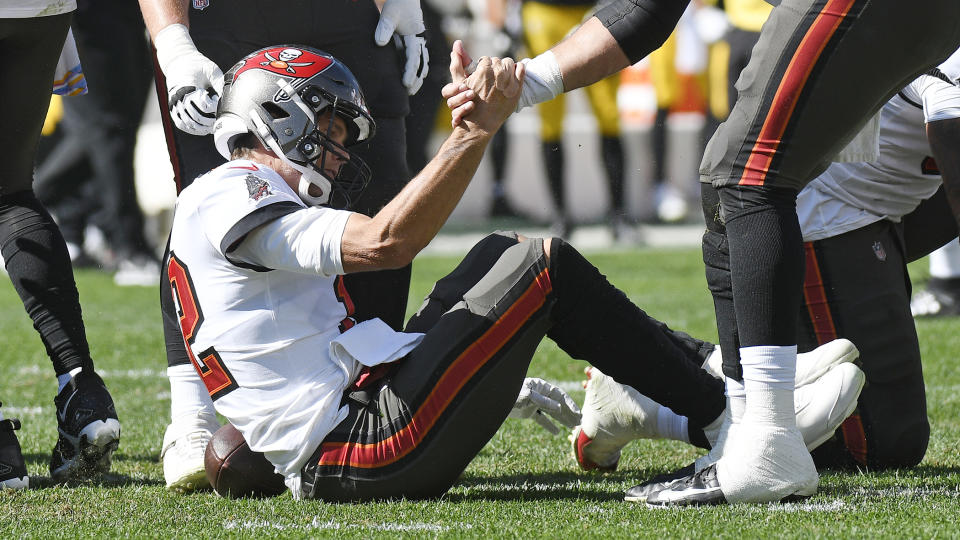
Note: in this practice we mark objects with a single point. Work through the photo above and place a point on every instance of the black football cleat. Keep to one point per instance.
(655, 484)
(89, 429)
(698, 489)
(13, 471)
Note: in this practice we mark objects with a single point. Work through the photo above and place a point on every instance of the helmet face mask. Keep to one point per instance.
(320, 152)
(280, 94)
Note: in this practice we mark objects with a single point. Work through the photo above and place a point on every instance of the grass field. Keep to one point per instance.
(523, 484)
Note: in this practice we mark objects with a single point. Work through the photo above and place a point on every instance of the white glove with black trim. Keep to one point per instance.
(414, 49)
(405, 19)
(538, 398)
(194, 82)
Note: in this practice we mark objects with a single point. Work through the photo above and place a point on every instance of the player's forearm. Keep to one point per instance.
(944, 137)
(393, 237)
(158, 14)
(588, 55)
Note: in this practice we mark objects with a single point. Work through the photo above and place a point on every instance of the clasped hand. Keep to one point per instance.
(488, 94)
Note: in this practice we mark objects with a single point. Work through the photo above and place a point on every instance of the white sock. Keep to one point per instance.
(188, 395)
(769, 375)
(63, 380)
(945, 262)
(764, 456)
(671, 425)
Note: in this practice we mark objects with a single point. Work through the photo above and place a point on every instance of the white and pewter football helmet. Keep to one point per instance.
(277, 93)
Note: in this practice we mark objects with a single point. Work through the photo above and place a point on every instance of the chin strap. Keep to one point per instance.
(304, 188)
(308, 176)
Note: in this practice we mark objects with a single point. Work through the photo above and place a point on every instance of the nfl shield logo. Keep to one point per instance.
(201, 4)
(879, 251)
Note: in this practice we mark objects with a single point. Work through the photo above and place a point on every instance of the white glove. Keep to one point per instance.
(414, 49)
(401, 16)
(194, 82)
(538, 398)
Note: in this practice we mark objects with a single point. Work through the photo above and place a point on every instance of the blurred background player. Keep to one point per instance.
(941, 295)
(32, 36)
(545, 22)
(496, 31)
(87, 177)
(189, 78)
(678, 71)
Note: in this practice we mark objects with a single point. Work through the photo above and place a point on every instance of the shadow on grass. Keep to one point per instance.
(564, 485)
(922, 480)
(108, 480)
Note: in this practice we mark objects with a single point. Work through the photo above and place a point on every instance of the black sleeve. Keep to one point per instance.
(641, 26)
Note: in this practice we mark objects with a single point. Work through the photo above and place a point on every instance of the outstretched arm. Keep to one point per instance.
(621, 33)
(394, 236)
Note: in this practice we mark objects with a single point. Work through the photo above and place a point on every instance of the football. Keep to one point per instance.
(234, 470)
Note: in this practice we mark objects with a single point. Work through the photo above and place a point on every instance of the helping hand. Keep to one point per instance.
(417, 56)
(458, 95)
(194, 82)
(401, 16)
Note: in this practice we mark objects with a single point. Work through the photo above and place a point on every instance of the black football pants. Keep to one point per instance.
(413, 432)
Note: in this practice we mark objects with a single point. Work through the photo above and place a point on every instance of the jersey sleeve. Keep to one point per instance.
(939, 97)
(305, 241)
(641, 26)
(239, 200)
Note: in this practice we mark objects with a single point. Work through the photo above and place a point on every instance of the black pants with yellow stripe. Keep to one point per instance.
(422, 424)
(820, 69)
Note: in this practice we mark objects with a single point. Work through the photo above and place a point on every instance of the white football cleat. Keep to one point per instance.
(613, 415)
(824, 404)
(184, 445)
(810, 365)
(764, 463)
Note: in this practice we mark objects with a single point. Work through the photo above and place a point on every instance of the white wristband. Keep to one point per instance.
(173, 42)
(542, 81)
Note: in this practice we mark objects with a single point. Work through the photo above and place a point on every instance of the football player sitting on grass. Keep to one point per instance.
(346, 409)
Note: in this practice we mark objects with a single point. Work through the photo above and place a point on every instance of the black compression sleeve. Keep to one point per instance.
(641, 26)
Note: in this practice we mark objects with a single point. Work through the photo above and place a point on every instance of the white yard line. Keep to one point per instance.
(320, 524)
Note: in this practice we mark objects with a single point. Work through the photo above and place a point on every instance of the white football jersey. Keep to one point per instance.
(848, 196)
(19, 9)
(275, 348)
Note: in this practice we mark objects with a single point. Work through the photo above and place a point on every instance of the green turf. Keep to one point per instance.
(523, 484)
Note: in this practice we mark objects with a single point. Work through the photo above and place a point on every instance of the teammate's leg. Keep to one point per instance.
(857, 287)
(36, 255)
(793, 112)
